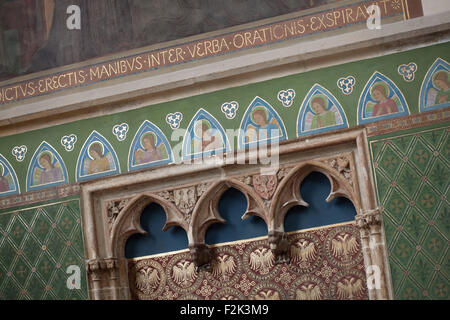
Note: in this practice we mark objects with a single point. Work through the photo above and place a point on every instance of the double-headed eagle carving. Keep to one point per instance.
(223, 265)
(303, 251)
(268, 295)
(348, 288)
(147, 279)
(309, 292)
(183, 272)
(345, 245)
(261, 260)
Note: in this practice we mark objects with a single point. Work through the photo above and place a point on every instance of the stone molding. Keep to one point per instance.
(190, 193)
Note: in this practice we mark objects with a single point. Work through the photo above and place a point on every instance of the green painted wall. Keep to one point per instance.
(268, 90)
(412, 178)
(37, 244)
(416, 208)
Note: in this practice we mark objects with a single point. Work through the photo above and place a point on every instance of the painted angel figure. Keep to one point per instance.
(263, 129)
(48, 170)
(149, 152)
(384, 105)
(440, 92)
(98, 161)
(6, 181)
(205, 138)
(321, 116)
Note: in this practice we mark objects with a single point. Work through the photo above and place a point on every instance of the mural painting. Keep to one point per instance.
(8, 178)
(435, 90)
(320, 112)
(204, 136)
(149, 148)
(381, 99)
(97, 158)
(47, 168)
(260, 124)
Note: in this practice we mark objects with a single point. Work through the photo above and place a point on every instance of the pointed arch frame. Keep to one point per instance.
(83, 150)
(189, 195)
(29, 179)
(164, 140)
(361, 108)
(242, 132)
(190, 128)
(429, 77)
(10, 168)
(303, 107)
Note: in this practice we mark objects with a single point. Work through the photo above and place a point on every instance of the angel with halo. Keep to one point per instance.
(440, 92)
(205, 137)
(47, 170)
(263, 128)
(6, 181)
(149, 152)
(97, 161)
(384, 105)
(320, 115)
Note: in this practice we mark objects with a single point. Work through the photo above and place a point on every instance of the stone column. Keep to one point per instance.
(374, 252)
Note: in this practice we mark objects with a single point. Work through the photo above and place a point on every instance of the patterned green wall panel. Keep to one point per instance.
(412, 173)
(36, 247)
(302, 83)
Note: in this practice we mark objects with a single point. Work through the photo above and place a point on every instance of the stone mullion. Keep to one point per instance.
(365, 244)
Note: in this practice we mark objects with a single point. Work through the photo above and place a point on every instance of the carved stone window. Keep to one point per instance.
(189, 195)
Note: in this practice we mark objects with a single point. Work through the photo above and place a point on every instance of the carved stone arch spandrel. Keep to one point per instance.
(206, 213)
(288, 193)
(128, 220)
(190, 194)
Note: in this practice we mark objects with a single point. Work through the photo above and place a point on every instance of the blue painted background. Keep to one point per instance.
(314, 189)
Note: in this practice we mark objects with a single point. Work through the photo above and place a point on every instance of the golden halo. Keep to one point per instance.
(44, 153)
(148, 133)
(384, 84)
(94, 143)
(259, 108)
(323, 97)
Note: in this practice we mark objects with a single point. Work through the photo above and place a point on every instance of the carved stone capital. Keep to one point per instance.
(97, 268)
(280, 246)
(369, 218)
(201, 256)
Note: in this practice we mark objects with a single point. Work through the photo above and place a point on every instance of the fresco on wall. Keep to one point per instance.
(34, 34)
(149, 148)
(8, 179)
(381, 99)
(260, 124)
(435, 89)
(231, 107)
(97, 158)
(204, 136)
(320, 112)
(46, 169)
